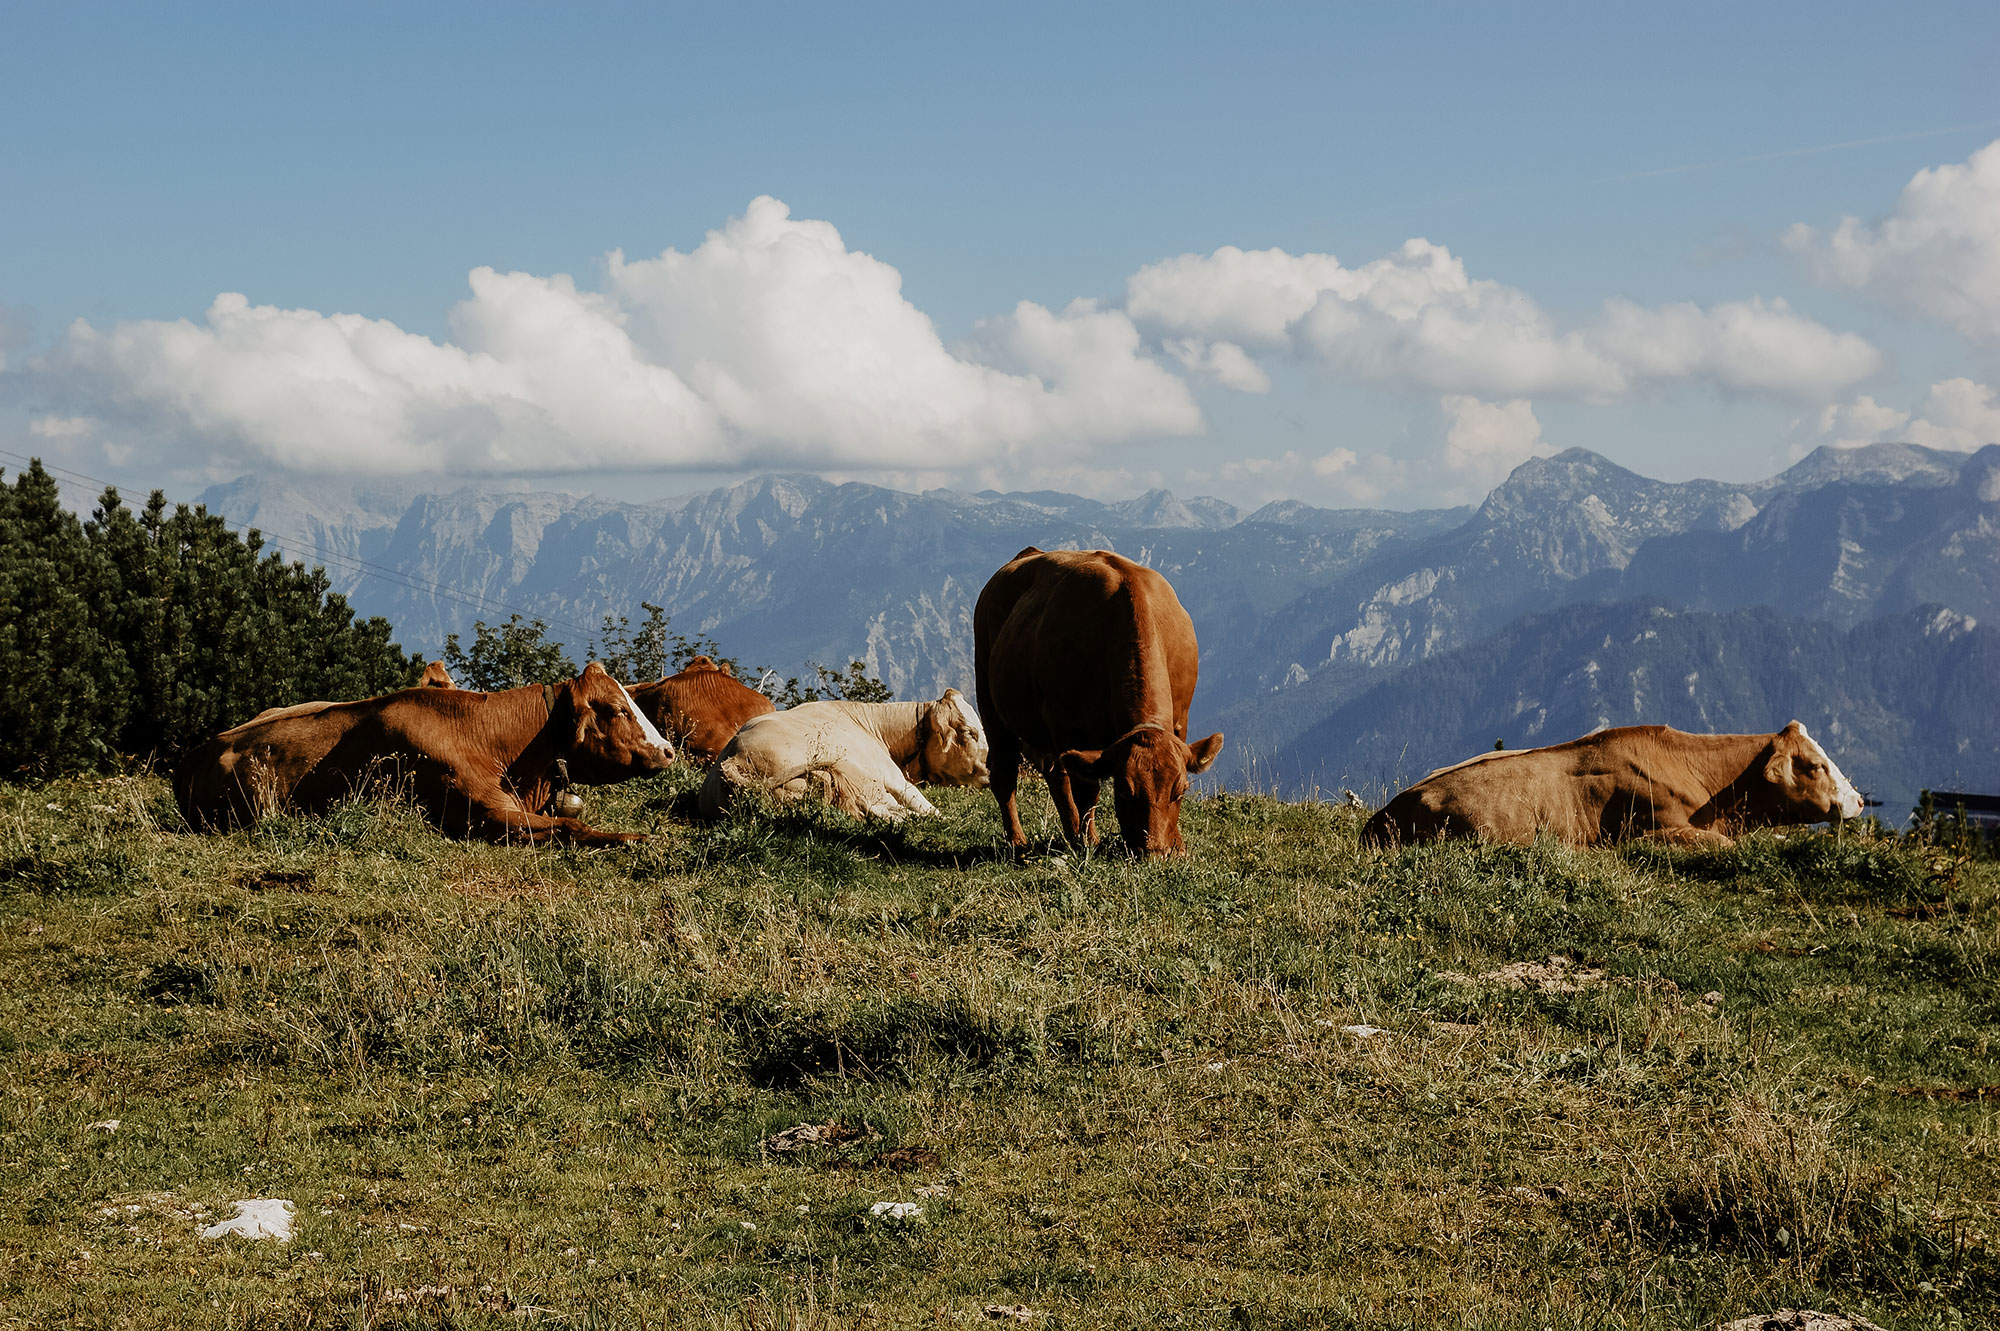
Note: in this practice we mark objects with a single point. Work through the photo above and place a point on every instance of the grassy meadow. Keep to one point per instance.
(1279, 1082)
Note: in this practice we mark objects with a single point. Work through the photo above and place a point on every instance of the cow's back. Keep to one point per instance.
(1602, 786)
(1496, 797)
(777, 749)
(1074, 648)
(701, 709)
(310, 756)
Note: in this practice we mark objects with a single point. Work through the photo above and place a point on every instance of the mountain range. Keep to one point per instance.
(1857, 590)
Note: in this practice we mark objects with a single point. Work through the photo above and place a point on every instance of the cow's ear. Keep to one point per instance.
(1082, 762)
(1778, 771)
(1203, 752)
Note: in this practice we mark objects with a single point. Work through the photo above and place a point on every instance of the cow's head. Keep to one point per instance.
(436, 677)
(954, 744)
(1801, 784)
(612, 740)
(1149, 770)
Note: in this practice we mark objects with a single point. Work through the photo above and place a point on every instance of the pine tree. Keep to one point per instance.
(506, 656)
(59, 675)
(139, 635)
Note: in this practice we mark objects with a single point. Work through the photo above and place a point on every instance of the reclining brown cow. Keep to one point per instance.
(1634, 781)
(701, 708)
(478, 764)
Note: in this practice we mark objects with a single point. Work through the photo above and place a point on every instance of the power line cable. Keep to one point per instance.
(347, 563)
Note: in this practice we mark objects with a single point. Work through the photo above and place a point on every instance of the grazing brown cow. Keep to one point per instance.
(1086, 665)
(1634, 781)
(701, 708)
(436, 677)
(478, 764)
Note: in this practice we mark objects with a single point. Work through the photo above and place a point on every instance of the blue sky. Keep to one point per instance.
(1633, 218)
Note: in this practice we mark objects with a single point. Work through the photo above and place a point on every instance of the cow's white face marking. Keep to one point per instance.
(961, 741)
(1846, 799)
(653, 736)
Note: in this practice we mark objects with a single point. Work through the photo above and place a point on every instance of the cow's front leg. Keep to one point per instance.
(1687, 835)
(1085, 790)
(1003, 765)
(505, 819)
(1062, 790)
(909, 798)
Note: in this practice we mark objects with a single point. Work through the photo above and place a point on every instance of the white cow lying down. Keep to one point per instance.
(861, 757)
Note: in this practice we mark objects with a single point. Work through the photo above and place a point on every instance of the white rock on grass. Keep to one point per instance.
(257, 1218)
(1363, 1032)
(106, 1125)
(1799, 1319)
(896, 1210)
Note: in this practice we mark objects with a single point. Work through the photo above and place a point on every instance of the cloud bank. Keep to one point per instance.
(1937, 255)
(1414, 318)
(1957, 414)
(771, 344)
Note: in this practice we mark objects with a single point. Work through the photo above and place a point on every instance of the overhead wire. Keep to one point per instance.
(354, 564)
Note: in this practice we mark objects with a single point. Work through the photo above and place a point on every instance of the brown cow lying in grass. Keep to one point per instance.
(1634, 781)
(701, 708)
(478, 764)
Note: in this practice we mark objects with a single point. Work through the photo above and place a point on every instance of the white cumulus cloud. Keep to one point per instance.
(1937, 254)
(1415, 318)
(1956, 414)
(1224, 362)
(769, 343)
(1490, 439)
(1338, 476)
(1862, 421)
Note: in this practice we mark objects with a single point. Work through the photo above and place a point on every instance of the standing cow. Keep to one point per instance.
(1650, 781)
(478, 764)
(701, 708)
(1086, 666)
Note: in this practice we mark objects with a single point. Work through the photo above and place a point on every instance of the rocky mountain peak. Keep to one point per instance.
(1870, 464)
(1539, 484)
(1159, 509)
(1980, 476)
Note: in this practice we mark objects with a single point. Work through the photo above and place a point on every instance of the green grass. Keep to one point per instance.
(508, 1086)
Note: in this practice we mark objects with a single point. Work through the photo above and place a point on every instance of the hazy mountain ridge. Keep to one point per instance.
(783, 569)
(1300, 610)
(1903, 702)
(1577, 528)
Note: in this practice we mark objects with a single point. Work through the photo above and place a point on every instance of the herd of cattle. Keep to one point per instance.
(1085, 668)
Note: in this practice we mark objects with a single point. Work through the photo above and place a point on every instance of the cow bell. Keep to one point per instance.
(567, 804)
